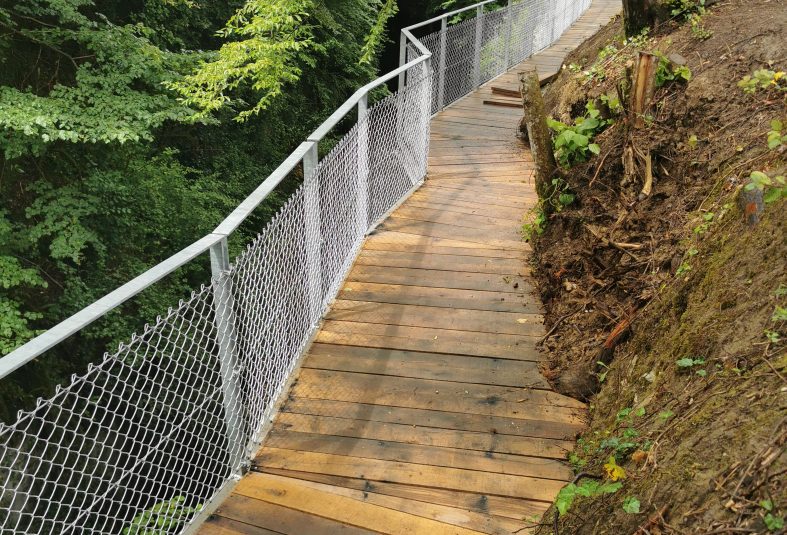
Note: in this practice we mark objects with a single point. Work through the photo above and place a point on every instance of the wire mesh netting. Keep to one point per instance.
(151, 433)
(474, 51)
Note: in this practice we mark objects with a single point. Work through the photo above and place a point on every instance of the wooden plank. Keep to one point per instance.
(218, 525)
(513, 214)
(449, 342)
(395, 245)
(449, 218)
(481, 423)
(380, 236)
(510, 238)
(496, 506)
(292, 494)
(493, 463)
(443, 262)
(440, 297)
(522, 324)
(270, 517)
(442, 513)
(419, 365)
(395, 472)
(452, 396)
(442, 279)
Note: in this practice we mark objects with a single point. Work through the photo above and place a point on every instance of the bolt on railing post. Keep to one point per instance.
(363, 166)
(479, 37)
(311, 208)
(226, 335)
(509, 26)
(441, 63)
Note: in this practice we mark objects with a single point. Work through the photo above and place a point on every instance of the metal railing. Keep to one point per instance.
(158, 429)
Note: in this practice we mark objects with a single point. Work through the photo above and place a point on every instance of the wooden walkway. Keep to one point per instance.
(420, 409)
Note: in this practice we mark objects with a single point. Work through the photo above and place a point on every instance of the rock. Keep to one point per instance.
(677, 59)
(579, 382)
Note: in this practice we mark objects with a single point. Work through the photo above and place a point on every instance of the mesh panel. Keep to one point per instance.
(155, 430)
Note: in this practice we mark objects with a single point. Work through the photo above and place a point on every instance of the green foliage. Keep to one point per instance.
(377, 33)
(162, 518)
(763, 80)
(588, 488)
(631, 505)
(273, 38)
(560, 196)
(686, 7)
(666, 71)
(773, 189)
(688, 363)
(573, 143)
(775, 137)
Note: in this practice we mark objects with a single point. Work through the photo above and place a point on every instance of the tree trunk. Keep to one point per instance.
(640, 14)
(537, 131)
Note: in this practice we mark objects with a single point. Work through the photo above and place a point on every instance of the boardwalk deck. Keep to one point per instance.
(420, 407)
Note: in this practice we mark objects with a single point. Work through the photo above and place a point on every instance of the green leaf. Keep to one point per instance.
(685, 362)
(631, 505)
(772, 195)
(594, 148)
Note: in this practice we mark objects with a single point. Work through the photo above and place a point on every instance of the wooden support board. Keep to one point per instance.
(420, 408)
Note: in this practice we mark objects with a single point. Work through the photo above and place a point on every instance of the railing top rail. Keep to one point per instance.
(447, 15)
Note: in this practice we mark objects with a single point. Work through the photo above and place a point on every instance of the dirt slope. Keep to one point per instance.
(693, 404)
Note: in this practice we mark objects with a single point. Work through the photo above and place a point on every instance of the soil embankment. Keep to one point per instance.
(681, 292)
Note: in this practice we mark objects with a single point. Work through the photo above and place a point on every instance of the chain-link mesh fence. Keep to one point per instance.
(473, 51)
(148, 436)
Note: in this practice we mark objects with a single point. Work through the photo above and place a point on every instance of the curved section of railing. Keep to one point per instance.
(151, 434)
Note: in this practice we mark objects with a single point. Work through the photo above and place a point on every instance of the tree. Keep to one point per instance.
(641, 14)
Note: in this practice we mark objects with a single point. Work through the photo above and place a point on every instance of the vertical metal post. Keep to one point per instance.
(402, 59)
(479, 37)
(509, 25)
(363, 167)
(311, 208)
(441, 64)
(226, 334)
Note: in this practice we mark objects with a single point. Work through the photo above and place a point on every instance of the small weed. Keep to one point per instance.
(631, 505)
(665, 415)
(698, 29)
(775, 137)
(763, 80)
(692, 143)
(573, 142)
(688, 363)
(772, 522)
(773, 189)
(666, 71)
(781, 291)
(773, 337)
(780, 314)
(589, 488)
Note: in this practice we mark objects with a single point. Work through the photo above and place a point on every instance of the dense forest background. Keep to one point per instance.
(107, 166)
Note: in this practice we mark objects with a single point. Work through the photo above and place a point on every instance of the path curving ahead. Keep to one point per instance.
(420, 408)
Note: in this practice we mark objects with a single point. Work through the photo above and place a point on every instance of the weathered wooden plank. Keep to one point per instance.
(440, 297)
(527, 403)
(496, 506)
(270, 517)
(290, 493)
(442, 279)
(484, 321)
(444, 262)
(396, 472)
(419, 365)
(493, 463)
(442, 513)
(481, 423)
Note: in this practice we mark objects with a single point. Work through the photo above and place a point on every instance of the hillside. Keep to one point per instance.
(667, 308)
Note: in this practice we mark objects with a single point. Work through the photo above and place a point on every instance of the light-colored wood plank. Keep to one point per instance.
(293, 495)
